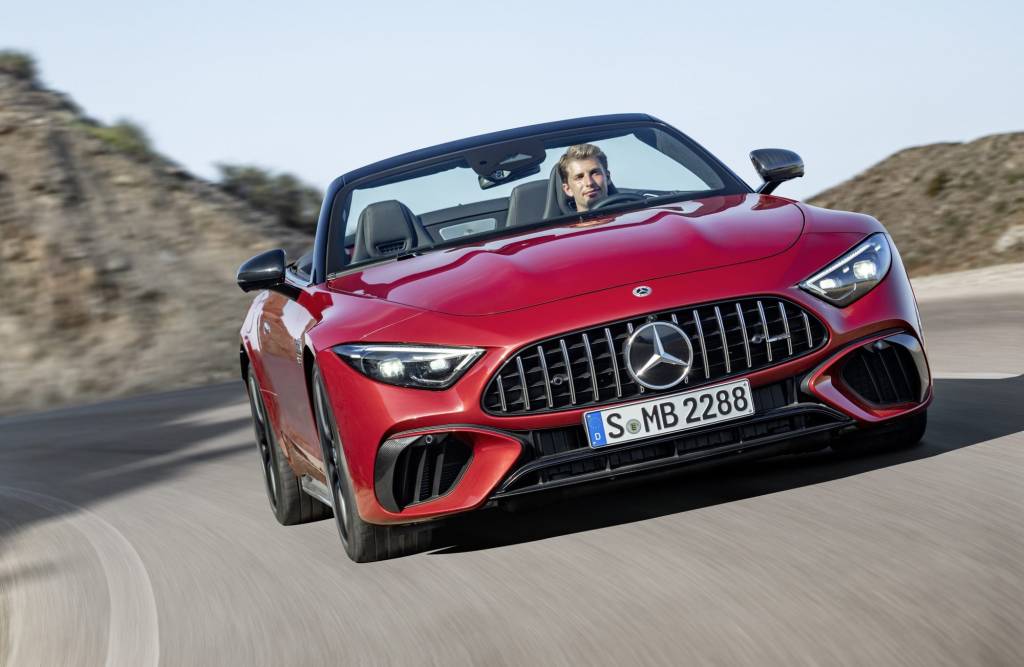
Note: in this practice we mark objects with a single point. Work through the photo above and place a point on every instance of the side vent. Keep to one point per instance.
(882, 374)
(391, 247)
(428, 468)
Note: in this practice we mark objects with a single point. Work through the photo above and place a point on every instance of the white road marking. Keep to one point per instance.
(219, 415)
(999, 280)
(972, 375)
(133, 637)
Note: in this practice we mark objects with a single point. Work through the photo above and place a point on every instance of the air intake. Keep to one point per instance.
(427, 469)
(883, 373)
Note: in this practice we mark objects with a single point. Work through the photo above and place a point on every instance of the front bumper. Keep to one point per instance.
(790, 415)
(784, 421)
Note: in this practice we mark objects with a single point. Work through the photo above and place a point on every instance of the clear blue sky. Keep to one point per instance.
(320, 88)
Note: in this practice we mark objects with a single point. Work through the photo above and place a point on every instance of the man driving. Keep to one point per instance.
(584, 172)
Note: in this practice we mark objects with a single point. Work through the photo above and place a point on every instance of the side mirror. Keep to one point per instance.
(776, 165)
(264, 271)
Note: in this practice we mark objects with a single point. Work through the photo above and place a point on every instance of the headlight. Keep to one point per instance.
(854, 274)
(410, 365)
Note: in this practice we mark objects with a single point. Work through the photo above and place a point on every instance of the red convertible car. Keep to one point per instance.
(562, 304)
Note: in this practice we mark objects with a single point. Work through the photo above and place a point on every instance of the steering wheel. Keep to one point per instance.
(618, 198)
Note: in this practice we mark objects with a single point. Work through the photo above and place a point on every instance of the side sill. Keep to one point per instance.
(316, 489)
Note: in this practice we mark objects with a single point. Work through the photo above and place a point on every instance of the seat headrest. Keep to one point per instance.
(387, 228)
(556, 204)
(526, 203)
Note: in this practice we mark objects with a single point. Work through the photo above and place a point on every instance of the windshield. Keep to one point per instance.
(497, 188)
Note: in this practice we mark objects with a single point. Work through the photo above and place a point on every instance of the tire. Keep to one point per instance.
(903, 433)
(289, 503)
(363, 542)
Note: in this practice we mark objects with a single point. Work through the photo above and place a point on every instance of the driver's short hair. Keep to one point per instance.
(580, 152)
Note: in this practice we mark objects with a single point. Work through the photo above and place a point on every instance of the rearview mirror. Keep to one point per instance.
(502, 176)
(776, 165)
(264, 271)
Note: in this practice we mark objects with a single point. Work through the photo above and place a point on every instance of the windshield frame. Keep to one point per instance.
(336, 260)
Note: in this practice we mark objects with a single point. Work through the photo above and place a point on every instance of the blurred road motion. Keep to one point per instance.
(138, 532)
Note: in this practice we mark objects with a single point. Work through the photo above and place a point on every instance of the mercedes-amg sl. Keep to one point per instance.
(558, 305)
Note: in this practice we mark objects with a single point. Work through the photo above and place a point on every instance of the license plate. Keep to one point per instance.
(669, 414)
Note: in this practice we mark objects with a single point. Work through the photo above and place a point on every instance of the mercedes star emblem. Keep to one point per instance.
(658, 355)
(643, 290)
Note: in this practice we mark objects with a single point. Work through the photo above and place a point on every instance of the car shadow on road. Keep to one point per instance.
(964, 413)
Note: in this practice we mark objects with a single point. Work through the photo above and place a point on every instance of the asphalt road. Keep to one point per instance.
(137, 532)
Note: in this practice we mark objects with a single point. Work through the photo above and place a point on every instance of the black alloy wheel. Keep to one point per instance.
(330, 444)
(363, 542)
(263, 441)
(901, 433)
(289, 503)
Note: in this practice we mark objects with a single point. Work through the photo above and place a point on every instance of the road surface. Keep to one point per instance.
(137, 533)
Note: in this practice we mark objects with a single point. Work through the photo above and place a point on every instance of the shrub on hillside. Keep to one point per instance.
(124, 136)
(18, 64)
(937, 184)
(293, 202)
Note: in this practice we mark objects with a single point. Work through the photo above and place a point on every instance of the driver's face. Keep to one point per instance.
(587, 183)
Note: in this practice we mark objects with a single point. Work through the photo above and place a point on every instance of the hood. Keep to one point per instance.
(544, 265)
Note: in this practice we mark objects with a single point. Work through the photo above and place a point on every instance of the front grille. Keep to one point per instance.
(587, 368)
(883, 374)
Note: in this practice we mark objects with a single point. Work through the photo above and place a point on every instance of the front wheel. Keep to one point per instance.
(288, 501)
(903, 433)
(364, 542)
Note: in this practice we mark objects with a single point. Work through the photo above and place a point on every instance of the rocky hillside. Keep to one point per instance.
(948, 206)
(117, 266)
